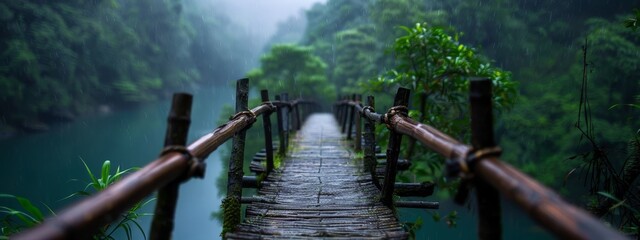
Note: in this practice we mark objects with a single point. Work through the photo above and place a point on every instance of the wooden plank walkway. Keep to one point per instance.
(319, 192)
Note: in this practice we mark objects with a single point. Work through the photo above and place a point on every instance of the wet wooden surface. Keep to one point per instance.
(320, 191)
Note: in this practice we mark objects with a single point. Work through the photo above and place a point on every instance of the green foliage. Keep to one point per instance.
(231, 209)
(437, 68)
(450, 219)
(128, 220)
(623, 208)
(632, 22)
(389, 15)
(537, 41)
(412, 227)
(353, 36)
(294, 70)
(356, 61)
(70, 56)
(104, 180)
(15, 221)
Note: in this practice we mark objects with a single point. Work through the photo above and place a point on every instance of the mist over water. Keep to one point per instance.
(257, 20)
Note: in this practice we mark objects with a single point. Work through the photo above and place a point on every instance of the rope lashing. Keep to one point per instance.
(396, 110)
(196, 167)
(270, 104)
(462, 166)
(247, 113)
(369, 108)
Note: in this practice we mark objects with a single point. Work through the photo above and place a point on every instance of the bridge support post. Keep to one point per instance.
(340, 112)
(266, 124)
(358, 140)
(286, 115)
(370, 160)
(176, 137)
(489, 211)
(231, 204)
(296, 110)
(336, 109)
(345, 113)
(393, 149)
(352, 115)
(279, 112)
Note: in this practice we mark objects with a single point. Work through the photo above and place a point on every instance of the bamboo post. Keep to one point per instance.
(286, 121)
(305, 113)
(345, 114)
(292, 116)
(340, 111)
(279, 112)
(266, 123)
(232, 212)
(352, 111)
(489, 211)
(176, 136)
(336, 109)
(297, 116)
(358, 143)
(393, 150)
(370, 160)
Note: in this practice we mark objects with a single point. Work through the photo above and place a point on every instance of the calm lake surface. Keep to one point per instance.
(46, 167)
(41, 166)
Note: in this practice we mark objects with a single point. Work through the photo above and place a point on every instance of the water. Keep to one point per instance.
(515, 224)
(41, 166)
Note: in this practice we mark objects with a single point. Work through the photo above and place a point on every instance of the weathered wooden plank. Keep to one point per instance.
(320, 191)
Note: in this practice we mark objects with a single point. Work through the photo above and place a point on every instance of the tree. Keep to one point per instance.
(295, 70)
(61, 58)
(355, 62)
(437, 67)
(611, 164)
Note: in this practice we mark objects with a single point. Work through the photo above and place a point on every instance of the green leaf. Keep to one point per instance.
(127, 230)
(33, 210)
(621, 203)
(25, 218)
(78, 193)
(119, 173)
(106, 169)
(436, 217)
(418, 222)
(141, 230)
(608, 195)
(49, 209)
(93, 179)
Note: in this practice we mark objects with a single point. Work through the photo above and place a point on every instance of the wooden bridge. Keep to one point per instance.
(320, 191)
(317, 184)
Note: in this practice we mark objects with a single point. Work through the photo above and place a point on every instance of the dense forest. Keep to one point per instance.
(565, 74)
(61, 59)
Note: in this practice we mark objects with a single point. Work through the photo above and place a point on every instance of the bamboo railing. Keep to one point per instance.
(179, 162)
(176, 164)
(492, 176)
